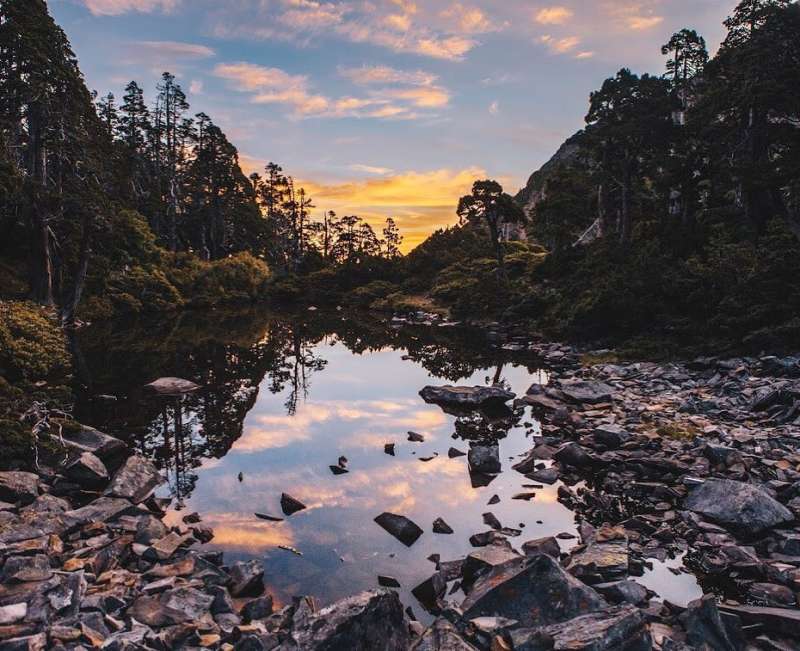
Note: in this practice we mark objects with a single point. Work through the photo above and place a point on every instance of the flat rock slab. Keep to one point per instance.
(108, 449)
(370, 620)
(405, 530)
(135, 480)
(87, 470)
(586, 391)
(442, 636)
(17, 486)
(101, 510)
(171, 386)
(467, 397)
(735, 504)
(537, 592)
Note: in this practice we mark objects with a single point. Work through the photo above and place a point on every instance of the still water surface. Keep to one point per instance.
(283, 399)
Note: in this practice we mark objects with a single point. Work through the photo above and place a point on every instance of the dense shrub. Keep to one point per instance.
(32, 346)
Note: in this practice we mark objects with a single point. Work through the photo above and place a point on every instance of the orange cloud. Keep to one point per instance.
(553, 15)
(640, 23)
(117, 7)
(560, 45)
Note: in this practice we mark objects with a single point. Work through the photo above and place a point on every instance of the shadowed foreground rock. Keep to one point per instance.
(406, 531)
(370, 620)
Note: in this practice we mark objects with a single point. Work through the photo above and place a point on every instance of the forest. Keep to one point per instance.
(674, 213)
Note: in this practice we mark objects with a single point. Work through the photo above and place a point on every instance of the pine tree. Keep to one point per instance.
(392, 239)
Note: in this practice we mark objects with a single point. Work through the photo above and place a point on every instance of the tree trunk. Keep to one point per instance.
(498, 249)
(70, 303)
(40, 255)
(625, 200)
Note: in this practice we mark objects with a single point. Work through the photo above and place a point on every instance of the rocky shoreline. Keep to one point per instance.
(698, 459)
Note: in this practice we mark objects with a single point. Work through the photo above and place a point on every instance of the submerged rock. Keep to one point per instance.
(370, 620)
(468, 397)
(406, 531)
(536, 592)
(171, 386)
(737, 505)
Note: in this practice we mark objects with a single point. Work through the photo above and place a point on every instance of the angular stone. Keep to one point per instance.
(485, 459)
(13, 613)
(406, 531)
(587, 391)
(370, 620)
(165, 547)
(441, 527)
(24, 569)
(705, 626)
(737, 505)
(171, 386)
(545, 475)
(466, 397)
(536, 592)
(149, 529)
(620, 627)
(623, 591)
(257, 609)
(431, 591)
(573, 454)
(108, 449)
(102, 509)
(135, 480)
(18, 486)
(247, 579)
(772, 594)
(599, 561)
(290, 505)
(87, 470)
(611, 436)
(548, 545)
(486, 559)
(784, 621)
(442, 636)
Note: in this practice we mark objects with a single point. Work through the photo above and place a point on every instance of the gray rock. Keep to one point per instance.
(441, 527)
(573, 454)
(87, 470)
(442, 636)
(772, 594)
(485, 459)
(466, 397)
(611, 436)
(406, 531)
(548, 545)
(247, 579)
(623, 591)
(737, 505)
(370, 620)
(545, 475)
(620, 627)
(430, 592)
(487, 559)
(135, 480)
(537, 592)
(706, 628)
(603, 558)
(23, 569)
(149, 529)
(17, 486)
(171, 386)
(108, 449)
(13, 613)
(290, 505)
(587, 391)
(256, 609)
(102, 509)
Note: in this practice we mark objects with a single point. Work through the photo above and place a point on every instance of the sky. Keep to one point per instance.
(384, 107)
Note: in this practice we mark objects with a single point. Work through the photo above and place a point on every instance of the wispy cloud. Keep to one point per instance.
(494, 108)
(175, 49)
(370, 169)
(118, 7)
(366, 75)
(556, 15)
(560, 45)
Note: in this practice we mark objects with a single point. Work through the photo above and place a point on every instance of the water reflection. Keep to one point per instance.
(282, 400)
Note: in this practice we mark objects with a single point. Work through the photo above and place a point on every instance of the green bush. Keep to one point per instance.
(239, 278)
(32, 345)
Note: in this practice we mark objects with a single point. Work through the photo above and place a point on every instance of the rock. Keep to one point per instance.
(370, 620)
(784, 621)
(706, 628)
(87, 470)
(442, 636)
(171, 386)
(620, 627)
(573, 454)
(737, 505)
(13, 613)
(268, 517)
(290, 505)
(586, 391)
(135, 480)
(102, 509)
(17, 486)
(772, 594)
(547, 476)
(611, 436)
(536, 592)
(108, 449)
(388, 581)
(389, 449)
(722, 455)
(466, 397)
(440, 526)
(149, 529)
(485, 459)
(406, 531)
(547, 546)
(338, 470)
(454, 453)
(256, 609)
(489, 538)
(23, 569)
(604, 558)
(172, 607)
(413, 437)
(430, 591)
(486, 559)
(202, 533)
(36, 642)
(623, 591)
(165, 547)
(247, 579)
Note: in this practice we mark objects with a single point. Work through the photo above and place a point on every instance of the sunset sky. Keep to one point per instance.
(384, 107)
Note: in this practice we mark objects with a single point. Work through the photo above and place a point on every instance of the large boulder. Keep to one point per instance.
(621, 627)
(16, 486)
(370, 620)
(405, 530)
(535, 592)
(466, 397)
(87, 470)
(485, 459)
(442, 636)
(101, 510)
(108, 449)
(247, 579)
(737, 505)
(135, 480)
(587, 391)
